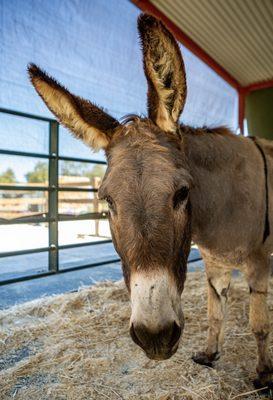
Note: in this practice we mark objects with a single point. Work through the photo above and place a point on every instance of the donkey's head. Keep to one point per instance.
(146, 186)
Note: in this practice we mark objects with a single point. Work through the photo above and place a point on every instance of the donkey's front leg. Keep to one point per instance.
(257, 274)
(218, 281)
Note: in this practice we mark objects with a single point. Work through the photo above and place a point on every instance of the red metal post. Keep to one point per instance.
(243, 92)
(241, 112)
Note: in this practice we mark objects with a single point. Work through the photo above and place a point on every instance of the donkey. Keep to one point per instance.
(167, 184)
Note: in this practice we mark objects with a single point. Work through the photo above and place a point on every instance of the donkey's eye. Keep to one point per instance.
(180, 196)
(110, 202)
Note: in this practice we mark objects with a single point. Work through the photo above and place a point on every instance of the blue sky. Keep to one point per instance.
(92, 47)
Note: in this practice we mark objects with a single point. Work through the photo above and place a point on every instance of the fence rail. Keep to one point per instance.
(54, 193)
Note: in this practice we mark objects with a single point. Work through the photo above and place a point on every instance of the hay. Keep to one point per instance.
(77, 346)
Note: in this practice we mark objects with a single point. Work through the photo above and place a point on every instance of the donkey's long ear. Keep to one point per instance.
(87, 121)
(165, 73)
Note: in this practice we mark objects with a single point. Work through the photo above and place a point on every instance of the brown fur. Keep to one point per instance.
(165, 73)
(150, 161)
(138, 156)
(87, 121)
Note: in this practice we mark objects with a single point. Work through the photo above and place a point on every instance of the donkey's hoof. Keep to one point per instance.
(206, 359)
(266, 389)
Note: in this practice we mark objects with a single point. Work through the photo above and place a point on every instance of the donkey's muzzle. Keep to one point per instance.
(157, 345)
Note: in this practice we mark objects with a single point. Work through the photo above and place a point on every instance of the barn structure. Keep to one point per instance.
(55, 236)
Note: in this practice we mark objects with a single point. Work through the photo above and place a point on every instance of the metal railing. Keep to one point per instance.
(52, 217)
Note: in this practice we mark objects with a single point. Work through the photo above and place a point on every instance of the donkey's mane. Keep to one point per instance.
(129, 118)
(217, 130)
(205, 130)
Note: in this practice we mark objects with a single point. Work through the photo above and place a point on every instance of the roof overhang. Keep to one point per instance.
(235, 38)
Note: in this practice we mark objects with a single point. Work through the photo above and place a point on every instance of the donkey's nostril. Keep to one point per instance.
(134, 336)
(176, 333)
(161, 341)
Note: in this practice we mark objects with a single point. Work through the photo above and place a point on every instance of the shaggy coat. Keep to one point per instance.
(167, 184)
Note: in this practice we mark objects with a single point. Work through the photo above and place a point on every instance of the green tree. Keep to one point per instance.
(8, 176)
(97, 170)
(72, 168)
(39, 173)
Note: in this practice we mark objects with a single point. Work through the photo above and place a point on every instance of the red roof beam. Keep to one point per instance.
(258, 86)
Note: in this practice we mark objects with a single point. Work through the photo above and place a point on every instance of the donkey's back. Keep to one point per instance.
(233, 176)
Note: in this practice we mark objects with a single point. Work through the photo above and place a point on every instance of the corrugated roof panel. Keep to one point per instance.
(237, 34)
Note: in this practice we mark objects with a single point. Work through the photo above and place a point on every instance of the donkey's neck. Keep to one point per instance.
(228, 194)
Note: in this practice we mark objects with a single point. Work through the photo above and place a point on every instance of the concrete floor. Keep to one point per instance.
(20, 292)
(35, 263)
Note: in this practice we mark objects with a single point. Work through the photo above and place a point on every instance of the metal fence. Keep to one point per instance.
(51, 216)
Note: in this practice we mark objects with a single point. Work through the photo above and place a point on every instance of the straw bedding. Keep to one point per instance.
(77, 346)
